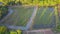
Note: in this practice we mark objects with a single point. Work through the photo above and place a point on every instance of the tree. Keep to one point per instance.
(3, 11)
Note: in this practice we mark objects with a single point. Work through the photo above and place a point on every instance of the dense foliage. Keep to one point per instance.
(3, 11)
(5, 30)
(11, 3)
(31, 2)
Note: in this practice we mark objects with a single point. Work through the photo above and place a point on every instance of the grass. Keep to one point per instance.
(45, 18)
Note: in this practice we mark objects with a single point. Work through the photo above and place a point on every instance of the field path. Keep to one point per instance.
(30, 22)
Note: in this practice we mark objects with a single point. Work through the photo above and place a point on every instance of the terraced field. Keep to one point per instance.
(45, 18)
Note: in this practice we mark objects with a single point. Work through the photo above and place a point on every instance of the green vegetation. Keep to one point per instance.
(5, 30)
(13, 32)
(3, 11)
(18, 31)
(21, 15)
(18, 3)
(57, 29)
(31, 2)
(45, 18)
(11, 3)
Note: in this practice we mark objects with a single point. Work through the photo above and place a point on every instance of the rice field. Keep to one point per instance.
(45, 18)
(20, 16)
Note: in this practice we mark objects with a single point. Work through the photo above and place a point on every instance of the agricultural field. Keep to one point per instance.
(20, 16)
(40, 17)
(45, 18)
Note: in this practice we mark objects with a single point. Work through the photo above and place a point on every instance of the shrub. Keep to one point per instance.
(11, 3)
(3, 11)
(18, 3)
(2, 29)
